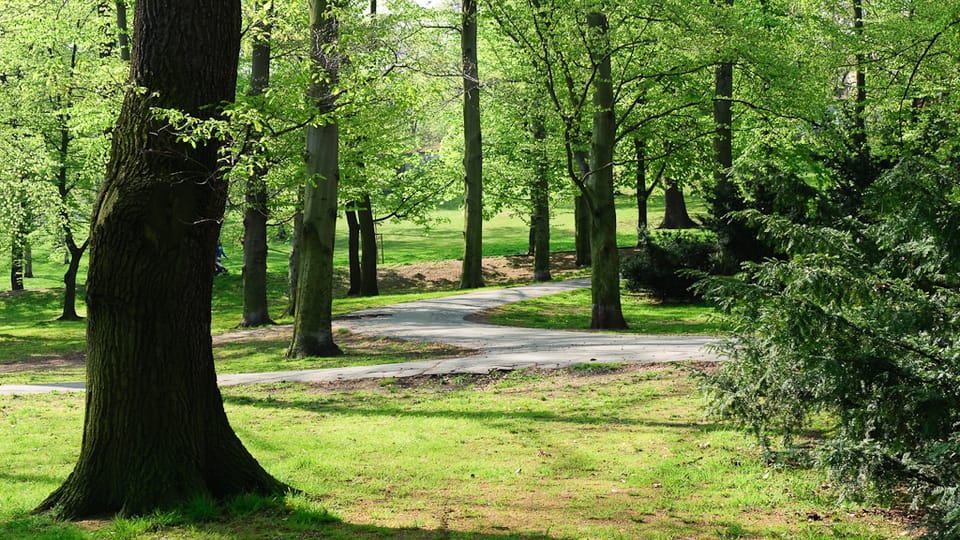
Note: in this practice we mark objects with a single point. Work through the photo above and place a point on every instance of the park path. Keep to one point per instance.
(446, 320)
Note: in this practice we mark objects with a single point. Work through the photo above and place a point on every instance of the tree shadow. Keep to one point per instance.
(358, 406)
(301, 524)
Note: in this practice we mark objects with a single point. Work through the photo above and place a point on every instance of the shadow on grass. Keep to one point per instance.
(297, 525)
(359, 407)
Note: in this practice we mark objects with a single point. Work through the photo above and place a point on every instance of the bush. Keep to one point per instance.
(668, 261)
(860, 323)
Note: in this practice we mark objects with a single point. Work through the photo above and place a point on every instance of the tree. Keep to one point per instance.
(471, 274)
(605, 283)
(155, 431)
(256, 212)
(313, 318)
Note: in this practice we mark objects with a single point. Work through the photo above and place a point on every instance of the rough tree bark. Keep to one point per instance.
(471, 273)
(607, 312)
(313, 318)
(155, 432)
(255, 307)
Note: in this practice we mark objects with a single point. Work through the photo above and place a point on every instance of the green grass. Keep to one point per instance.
(571, 310)
(566, 454)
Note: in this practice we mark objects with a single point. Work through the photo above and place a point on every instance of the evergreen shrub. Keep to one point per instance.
(669, 262)
(857, 326)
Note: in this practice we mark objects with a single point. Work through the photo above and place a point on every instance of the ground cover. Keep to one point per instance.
(580, 453)
(571, 311)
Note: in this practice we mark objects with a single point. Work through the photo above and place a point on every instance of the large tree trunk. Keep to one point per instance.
(368, 238)
(313, 319)
(606, 313)
(353, 249)
(155, 432)
(540, 195)
(471, 273)
(675, 214)
(255, 306)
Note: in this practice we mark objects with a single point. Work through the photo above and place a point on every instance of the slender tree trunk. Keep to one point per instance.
(256, 310)
(862, 166)
(123, 36)
(27, 258)
(353, 249)
(293, 261)
(155, 432)
(255, 305)
(725, 193)
(16, 259)
(639, 151)
(313, 319)
(368, 238)
(607, 313)
(540, 195)
(675, 214)
(471, 274)
(70, 284)
(581, 215)
(69, 312)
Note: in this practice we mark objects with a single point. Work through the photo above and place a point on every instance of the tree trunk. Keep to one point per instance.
(293, 261)
(353, 249)
(606, 313)
(69, 312)
(256, 310)
(675, 214)
(16, 260)
(313, 319)
(70, 279)
(540, 195)
(725, 195)
(863, 175)
(581, 215)
(471, 273)
(123, 36)
(639, 150)
(27, 258)
(155, 432)
(368, 238)
(255, 305)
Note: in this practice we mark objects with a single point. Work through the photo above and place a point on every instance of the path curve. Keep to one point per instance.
(443, 320)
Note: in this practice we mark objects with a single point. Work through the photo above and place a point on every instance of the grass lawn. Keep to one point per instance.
(574, 454)
(571, 310)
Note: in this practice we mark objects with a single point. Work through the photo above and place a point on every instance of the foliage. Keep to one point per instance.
(860, 323)
(668, 261)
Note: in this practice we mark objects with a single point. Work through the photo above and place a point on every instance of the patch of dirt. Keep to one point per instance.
(46, 362)
(445, 275)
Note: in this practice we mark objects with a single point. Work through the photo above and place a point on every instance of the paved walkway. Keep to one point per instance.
(442, 320)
